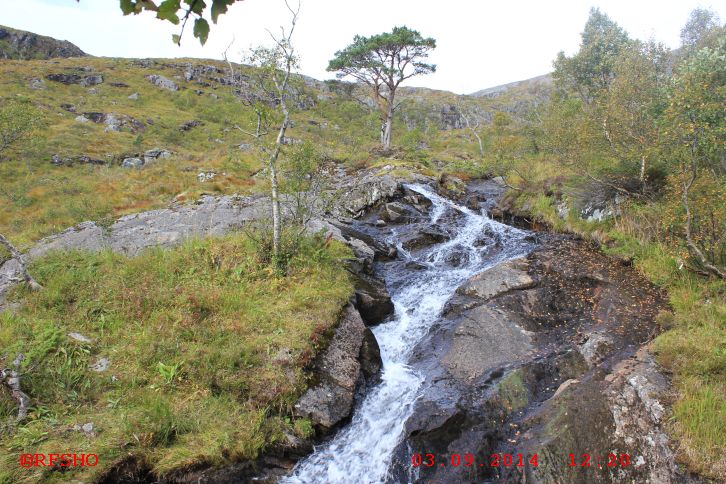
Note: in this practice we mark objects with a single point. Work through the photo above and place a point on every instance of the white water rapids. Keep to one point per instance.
(362, 451)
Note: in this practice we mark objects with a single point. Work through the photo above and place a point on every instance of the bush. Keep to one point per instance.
(18, 119)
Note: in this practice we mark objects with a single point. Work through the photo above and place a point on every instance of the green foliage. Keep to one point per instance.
(369, 58)
(591, 69)
(175, 12)
(702, 26)
(19, 118)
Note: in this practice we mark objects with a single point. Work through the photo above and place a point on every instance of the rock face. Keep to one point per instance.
(451, 118)
(545, 355)
(21, 45)
(351, 356)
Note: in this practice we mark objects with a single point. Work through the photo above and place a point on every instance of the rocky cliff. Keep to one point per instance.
(21, 45)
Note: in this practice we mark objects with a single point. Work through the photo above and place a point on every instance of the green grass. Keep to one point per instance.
(196, 337)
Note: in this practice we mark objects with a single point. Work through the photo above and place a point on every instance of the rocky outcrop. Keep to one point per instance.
(163, 82)
(451, 118)
(545, 355)
(78, 159)
(68, 79)
(351, 357)
(21, 45)
(189, 125)
(113, 121)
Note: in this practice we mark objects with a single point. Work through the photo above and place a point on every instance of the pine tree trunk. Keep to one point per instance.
(387, 130)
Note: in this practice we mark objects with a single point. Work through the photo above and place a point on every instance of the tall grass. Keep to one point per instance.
(194, 337)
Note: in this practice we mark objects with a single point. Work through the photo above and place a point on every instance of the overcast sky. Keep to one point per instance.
(480, 43)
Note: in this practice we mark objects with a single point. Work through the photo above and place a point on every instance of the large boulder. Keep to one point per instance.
(155, 154)
(397, 212)
(509, 276)
(372, 299)
(424, 238)
(340, 369)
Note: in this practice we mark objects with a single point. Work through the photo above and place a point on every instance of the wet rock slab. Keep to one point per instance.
(545, 355)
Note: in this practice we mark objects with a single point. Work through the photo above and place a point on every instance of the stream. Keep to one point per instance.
(420, 282)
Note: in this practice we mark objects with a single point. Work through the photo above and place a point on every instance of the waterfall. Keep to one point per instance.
(362, 451)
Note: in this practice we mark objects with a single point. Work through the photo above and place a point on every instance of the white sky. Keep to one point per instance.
(480, 43)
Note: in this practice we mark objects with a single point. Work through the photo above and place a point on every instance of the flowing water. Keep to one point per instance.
(362, 451)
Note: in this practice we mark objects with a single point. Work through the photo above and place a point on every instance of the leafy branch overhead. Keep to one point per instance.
(179, 12)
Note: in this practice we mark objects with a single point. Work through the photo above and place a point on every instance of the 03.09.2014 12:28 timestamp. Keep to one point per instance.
(517, 460)
(471, 460)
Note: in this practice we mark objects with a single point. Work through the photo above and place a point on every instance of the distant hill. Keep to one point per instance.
(21, 45)
(539, 84)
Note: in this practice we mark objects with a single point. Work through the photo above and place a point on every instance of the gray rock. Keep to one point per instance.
(190, 125)
(80, 337)
(340, 370)
(363, 253)
(364, 191)
(291, 141)
(424, 238)
(634, 395)
(163, 82)
(509, 276)
(134, 96)
(81, 119)
(596, 348)
(101, 365)
(395, 212)
(372, 299)
(451, 118)
(245, 146)
(113, 123)
(484, 339)
(92, 80)
(132, 163)
(155, 154)
(36, 83)
(72, 160)
(69, 79)
(205, 176)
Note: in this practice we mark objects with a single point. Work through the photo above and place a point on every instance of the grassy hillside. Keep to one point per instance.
(45, 198)
(204, 350)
